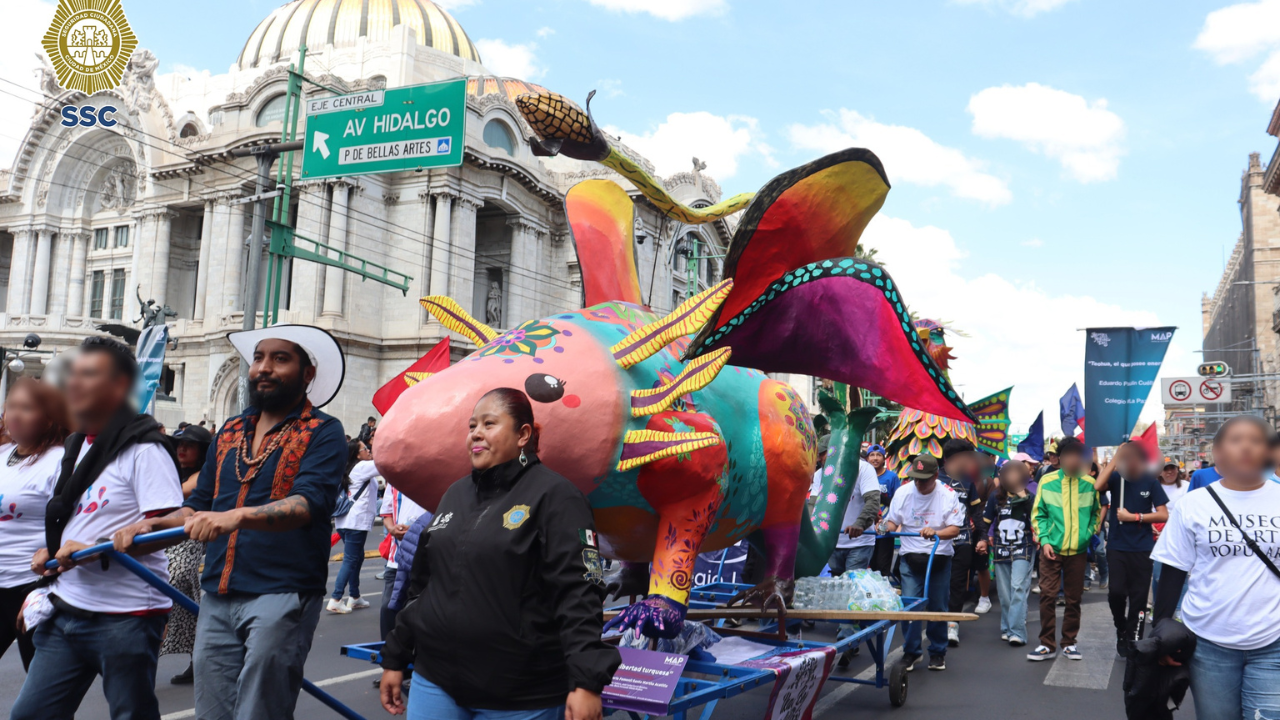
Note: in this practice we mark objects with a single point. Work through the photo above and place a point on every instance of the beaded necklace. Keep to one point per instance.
(255, 463)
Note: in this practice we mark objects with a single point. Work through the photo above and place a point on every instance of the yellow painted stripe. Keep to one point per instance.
(411, 15)
(441, 38)
(348, 27)
(318, 28)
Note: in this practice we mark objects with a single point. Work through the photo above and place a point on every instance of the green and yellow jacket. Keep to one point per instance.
(1066, 513)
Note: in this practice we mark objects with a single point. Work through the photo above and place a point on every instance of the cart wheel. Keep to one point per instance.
(898, 684)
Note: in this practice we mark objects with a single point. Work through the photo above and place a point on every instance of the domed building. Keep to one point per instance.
(94, 220)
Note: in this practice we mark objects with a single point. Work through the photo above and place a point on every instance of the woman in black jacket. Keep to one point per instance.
(506, 589)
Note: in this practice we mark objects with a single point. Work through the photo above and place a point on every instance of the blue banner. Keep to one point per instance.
(151, 347)
(1033, 444)
(1120, 367)
(707, 567)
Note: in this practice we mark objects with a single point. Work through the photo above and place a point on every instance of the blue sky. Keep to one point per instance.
(1055, 163)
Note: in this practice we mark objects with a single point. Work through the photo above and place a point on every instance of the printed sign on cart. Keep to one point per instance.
(801, 675)
(1194, 391)
(645, 682)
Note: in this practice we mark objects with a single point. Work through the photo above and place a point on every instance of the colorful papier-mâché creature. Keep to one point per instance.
(677, 450)
(918, 431)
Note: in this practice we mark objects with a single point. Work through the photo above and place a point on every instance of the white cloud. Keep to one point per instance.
(1237, 33)
(1023, 8)
(610, 87)
(1084, 136)
(672, 10)
(908, 155)
(24, 25)
(506, 60)
(1027, 339)
(1033, 243)
(546, 32)
(719, 141)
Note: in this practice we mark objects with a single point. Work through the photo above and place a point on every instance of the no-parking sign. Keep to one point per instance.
(1194, 391)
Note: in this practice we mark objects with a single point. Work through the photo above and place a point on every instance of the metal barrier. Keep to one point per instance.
(186, 603)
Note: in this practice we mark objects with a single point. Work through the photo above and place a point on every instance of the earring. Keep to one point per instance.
(523, 460)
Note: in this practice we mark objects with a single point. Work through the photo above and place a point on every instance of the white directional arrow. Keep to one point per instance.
(318, 143)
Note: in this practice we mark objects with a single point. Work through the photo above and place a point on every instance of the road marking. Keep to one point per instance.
(320, 683)
(831, 699)
(1097, 642)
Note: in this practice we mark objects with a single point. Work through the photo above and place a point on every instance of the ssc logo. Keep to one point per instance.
(515, 517)
(89, 44)
(88, 116)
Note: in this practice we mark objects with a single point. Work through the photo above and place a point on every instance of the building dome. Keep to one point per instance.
(340, 22)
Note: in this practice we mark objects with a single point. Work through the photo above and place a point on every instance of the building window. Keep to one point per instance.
(122, 236)
(271, 112)
(498, 135)
(117, 294)
(95, 292)
(189, 130)
(100, 238)
(168, 378)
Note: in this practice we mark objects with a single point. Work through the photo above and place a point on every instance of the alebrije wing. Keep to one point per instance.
(601, 219)
(992, 430)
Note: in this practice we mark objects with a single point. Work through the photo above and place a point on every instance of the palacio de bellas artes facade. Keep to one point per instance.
(93, 218)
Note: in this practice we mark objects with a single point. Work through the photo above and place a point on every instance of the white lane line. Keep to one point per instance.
(319, 683)
(832, 698)
(1097, 642)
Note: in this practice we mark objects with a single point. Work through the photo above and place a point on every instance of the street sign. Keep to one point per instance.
(1213, 369)
(1194, 391)
(378, 131)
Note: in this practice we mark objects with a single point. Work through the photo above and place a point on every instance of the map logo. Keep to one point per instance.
(89, 44)
(1102, 339)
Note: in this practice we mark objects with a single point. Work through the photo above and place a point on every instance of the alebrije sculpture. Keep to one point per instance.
(677, 450)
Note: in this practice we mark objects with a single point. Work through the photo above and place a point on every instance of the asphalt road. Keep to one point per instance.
(983, 675)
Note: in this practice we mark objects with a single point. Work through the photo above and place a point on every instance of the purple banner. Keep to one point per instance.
(645, 682)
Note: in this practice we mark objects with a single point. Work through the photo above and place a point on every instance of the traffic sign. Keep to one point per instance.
(1214, 369)
(378, 131)
(1194, 391)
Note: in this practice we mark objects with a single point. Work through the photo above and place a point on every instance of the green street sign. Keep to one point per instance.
(378, 131)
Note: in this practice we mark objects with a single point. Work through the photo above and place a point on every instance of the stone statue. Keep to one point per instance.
(493, 307)
(698, 166)
(151, 312)
(48, 82)
(140, 79)
(119, 188)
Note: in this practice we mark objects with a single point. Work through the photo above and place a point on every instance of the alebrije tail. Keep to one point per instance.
(818, 536)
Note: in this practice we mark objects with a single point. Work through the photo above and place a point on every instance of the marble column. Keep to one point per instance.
(521, 273)
(76, 305)
(160, 250)
(202, 269)
(462, 286)
(441, 252)
(19, 264)
(307, 279)
(61, 267)
(40, 276)
(422, 283)
(334, 277)
(233, 267)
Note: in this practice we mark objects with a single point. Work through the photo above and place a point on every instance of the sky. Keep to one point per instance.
(1056, 164)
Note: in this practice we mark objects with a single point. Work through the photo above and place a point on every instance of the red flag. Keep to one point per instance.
(426, 366)
(1149, 442)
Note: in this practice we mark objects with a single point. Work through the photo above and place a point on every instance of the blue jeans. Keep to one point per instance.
(428, 702)
(72, 651)
(845, 560)
(352, 561)
(1228, 684)
(937, 601)
(1013, 582)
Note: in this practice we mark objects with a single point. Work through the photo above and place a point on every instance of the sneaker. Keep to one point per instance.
(186, 677)
(937, 662)
(381, 575)
(337, 606)
(984, 606)
(1062, 601)
(845, 657)
(1004, 636)
(910, 661)
(1017, 641)
(953, 634)
(1122, 647)
(1035, 589)
(357, 603)
(1071, 652)
(1041, 653)
(1102, 585)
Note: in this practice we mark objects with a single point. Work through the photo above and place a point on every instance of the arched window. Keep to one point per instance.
(190, 130)
(271, 112)
(498, 135)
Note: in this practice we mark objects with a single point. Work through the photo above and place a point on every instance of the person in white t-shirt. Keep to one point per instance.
(361, 488)
(855, 545)
(1223, 542)
(932, 510)
(106, 620)
(398, 512)
(34, 427)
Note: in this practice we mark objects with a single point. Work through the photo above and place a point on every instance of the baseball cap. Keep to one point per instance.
(923, 467)
(876, 449)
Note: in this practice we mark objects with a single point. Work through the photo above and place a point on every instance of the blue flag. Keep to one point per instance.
(1033, 443)
(1120, 366)
(151, 347)
(1071, 410)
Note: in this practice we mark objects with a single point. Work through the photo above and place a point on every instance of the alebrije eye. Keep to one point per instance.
(544, 388)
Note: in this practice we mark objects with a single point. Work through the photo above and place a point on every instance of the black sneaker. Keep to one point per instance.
(910, 661)
(186, 677)
(937, 662)
(1122, 646)
(843, 662)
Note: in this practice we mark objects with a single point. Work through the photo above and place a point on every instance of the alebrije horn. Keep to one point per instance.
(697, 374)
(686, 319)
(640, 447)
(452, 316)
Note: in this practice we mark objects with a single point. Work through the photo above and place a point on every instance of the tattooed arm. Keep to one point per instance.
(287, 514)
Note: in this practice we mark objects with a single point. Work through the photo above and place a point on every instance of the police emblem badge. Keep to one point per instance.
(89, 44)
(515, 517)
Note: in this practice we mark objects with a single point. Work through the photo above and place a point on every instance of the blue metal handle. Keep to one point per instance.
(146, 539)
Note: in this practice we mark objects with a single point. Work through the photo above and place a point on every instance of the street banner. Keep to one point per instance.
(1120, 368)
(707, 568)
(801, 675)
(644, 682)
(1033, 444)
(1071, 411)
(434, 361)
(151, 346)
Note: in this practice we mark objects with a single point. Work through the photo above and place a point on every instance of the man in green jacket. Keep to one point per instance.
(1066, 514)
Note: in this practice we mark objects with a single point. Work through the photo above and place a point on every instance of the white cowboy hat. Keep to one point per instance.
(321, 348)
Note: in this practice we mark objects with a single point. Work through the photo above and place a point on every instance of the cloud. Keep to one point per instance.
(546, 32)
(672, 10)
(719, 141)
(1084, 136)
(1022, 8)
(517, 61)
(1242, 32)
(1028, 339)
(1033, 243)
(610, 87)
(908, 155)
(24, 26)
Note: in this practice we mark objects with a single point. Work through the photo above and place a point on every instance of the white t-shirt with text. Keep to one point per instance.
(867, 482)
(141, 479)
(25, 489)
(912, 512)
(1232, 598)
(403, 511)
(360, 517)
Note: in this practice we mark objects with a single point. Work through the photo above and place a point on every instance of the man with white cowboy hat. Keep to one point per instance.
(262, 504)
